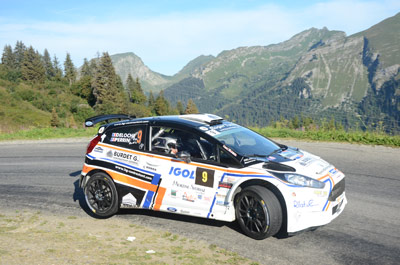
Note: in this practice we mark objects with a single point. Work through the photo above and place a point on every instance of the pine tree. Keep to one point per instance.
(180, 108)
(151, 100)
(71, 122)
(55, 121)
(69, 70)
(93, 66)
(140, 96)
(83, 87)
(123, 98)
(85, 70)
(130, 87)
(19, 52)
(191, 107)
(8, 58)
(32, 67)
(295, 122)
(48, 65)
(161, 105)
(135, 91)
(57, 70)
(106, 90)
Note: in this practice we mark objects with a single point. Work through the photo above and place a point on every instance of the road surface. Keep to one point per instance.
(44, 175)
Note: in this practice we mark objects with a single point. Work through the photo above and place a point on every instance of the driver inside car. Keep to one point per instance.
(173, 149)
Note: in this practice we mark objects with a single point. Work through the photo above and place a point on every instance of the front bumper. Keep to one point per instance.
(301, 219)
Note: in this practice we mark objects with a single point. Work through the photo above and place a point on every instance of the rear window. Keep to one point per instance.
(132, 137)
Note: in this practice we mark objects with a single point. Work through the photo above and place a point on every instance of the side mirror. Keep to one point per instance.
(184, 155)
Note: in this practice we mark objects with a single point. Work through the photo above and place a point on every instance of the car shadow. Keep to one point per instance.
(75, 174)
(80, 197)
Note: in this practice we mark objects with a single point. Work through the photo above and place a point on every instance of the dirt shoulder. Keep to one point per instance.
(33, 237)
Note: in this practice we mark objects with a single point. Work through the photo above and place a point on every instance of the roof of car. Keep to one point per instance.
(190, 120)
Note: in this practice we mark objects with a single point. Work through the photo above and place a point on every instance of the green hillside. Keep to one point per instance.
(317, 73)
(36, 93)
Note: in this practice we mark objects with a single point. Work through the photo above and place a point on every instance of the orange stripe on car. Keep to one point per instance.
(327, 175)
(326, 209)
(131, 181)
(86, 169)
(134, 182)
(143, 185)
(159, 198)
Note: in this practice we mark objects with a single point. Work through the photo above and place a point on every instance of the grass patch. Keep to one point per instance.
(48, 133)
(60, 239)
(370, 138)
(335, 135)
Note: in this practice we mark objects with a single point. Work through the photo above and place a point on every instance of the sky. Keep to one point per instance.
(167, 34)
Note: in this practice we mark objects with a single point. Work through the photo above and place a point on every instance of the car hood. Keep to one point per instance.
(296, 160)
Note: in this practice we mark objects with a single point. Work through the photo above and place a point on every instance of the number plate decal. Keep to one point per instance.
(204, 177)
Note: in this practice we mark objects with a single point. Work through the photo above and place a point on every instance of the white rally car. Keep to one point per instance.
(202, 165)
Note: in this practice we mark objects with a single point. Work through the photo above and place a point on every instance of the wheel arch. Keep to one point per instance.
(268, 185)
(86, 178)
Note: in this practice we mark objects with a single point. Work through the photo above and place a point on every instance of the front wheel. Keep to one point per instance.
(258, 212)
(101, 195)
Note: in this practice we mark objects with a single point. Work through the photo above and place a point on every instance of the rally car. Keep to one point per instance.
(202, 165)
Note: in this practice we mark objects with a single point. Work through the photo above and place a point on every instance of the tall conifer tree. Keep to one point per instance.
(161, 106)
(109, 98)
(8, 58)
(85, 70)
(32, 67)
(19, 52)
(135, 91)
(180, 108)
(69, 70)
(191, 107)
(57, 70)
(48, 65)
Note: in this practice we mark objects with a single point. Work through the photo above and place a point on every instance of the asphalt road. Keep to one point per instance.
(44, 176)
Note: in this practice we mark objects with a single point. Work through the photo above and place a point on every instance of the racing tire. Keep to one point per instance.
(258, 212)
(101, 195)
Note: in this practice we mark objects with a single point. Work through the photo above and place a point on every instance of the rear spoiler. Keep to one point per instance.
(99, 118)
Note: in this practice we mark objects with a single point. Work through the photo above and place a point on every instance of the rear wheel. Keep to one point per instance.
(258, 212)
(101, 195)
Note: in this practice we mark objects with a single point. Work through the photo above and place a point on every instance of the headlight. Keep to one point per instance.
(304, 181)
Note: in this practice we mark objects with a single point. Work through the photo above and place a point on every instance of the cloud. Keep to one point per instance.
(166, 43)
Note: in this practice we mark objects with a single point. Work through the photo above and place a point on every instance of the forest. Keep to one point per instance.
(36, 91)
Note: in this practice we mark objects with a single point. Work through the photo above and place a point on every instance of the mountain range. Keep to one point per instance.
(318, 73)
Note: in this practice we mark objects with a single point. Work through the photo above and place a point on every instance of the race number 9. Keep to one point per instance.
(204, 177)
(139, 136)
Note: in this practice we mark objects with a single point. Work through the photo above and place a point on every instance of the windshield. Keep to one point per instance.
(244, 141)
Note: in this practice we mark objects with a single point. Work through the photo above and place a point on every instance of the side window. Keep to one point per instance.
(226, 159)
(130, 136)
(170, 141)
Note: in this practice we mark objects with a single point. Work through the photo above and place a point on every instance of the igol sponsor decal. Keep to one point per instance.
(181, 172)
